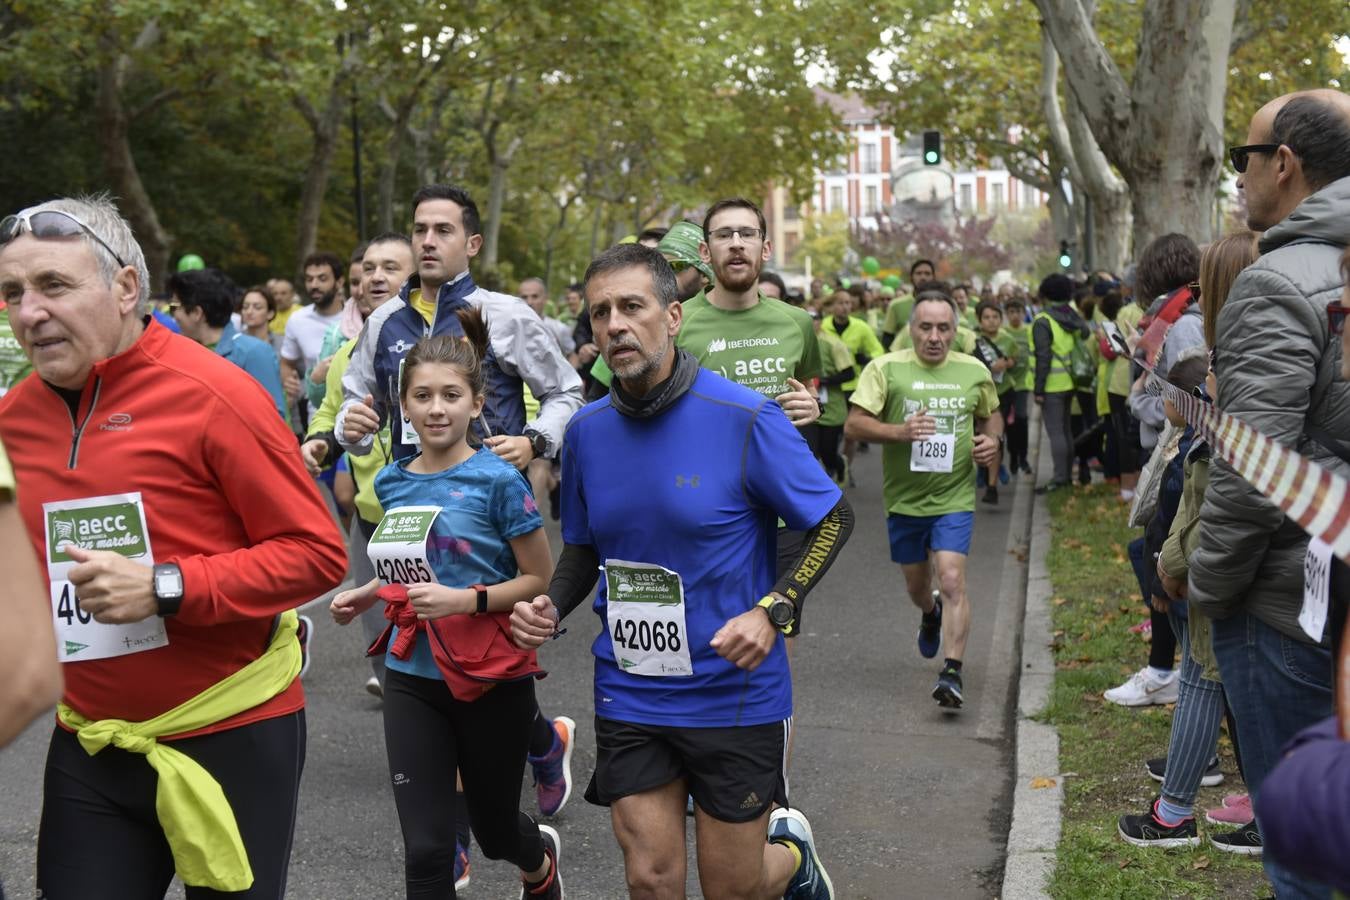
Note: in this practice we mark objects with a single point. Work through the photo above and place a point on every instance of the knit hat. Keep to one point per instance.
(1056, 288)
(680, 247)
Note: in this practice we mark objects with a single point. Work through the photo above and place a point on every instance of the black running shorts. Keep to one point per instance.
(734, 774)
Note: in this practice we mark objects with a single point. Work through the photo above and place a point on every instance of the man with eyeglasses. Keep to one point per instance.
(1277, 366)
(179, 531)
(733, 329)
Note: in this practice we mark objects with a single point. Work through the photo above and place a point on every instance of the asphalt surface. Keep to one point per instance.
(905, 799)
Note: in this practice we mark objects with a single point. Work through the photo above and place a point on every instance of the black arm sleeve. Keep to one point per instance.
(837, 377)
(574, 577)
(819, 549)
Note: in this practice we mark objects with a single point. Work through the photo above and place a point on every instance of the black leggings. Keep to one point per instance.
(100, 836)
(825, 444)
(1013, 405)
(428, 733)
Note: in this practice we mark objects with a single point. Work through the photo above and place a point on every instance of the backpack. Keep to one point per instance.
(1081, 367)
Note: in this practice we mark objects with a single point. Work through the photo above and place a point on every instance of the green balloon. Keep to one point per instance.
(891, 281)
(845, 283)
(870, 265)
(190, 261)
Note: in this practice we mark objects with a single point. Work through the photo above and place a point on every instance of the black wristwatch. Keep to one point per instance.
(538, 443)
(782, 612)
(482, 598)
(168, 584)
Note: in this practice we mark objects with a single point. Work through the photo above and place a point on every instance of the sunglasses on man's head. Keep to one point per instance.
(50, 223)
(1239, 156)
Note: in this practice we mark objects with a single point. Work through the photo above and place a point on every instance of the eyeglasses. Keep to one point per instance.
(50, 223)
(1336, 317)
(724, 235)
(1238, 155)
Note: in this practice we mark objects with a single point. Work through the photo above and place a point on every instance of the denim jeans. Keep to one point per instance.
(1276, 686)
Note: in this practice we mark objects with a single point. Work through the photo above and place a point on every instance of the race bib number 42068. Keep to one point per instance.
(115, 522)
(645, 618)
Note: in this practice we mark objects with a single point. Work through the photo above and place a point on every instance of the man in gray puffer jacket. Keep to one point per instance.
(1278, 370)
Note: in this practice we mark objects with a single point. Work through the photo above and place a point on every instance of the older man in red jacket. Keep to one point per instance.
(178, 530)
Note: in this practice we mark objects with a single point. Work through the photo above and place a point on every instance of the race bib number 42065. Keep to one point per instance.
(115, 522)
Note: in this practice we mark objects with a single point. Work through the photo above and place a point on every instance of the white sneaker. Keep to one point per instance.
(1144, 688)
(374, 688)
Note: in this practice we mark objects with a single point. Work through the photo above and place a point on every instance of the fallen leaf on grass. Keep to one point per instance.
(1060, 601)
(1201, 863)
(1042, 782)
(1125, 862)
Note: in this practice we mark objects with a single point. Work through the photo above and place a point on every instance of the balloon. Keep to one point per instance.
(845, 283)
(190, 261)
(892, 281)
(870, 265)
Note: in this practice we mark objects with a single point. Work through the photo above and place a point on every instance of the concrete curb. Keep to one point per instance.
(1035, 829)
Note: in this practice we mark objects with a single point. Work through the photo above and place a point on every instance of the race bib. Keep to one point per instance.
(645, 618)
(1312, 618)
(935, 453)
(398, 548)
(115, 522)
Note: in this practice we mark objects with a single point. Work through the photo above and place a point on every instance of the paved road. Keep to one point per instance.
(905, 800)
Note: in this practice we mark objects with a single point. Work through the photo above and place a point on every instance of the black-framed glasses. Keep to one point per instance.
(1238, 156)
(1336, 317)
(724, 235)
(50, 223)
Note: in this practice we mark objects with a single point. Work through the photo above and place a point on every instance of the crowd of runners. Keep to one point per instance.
(690, 421)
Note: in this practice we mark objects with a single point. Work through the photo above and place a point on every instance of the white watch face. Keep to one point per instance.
(168, 584)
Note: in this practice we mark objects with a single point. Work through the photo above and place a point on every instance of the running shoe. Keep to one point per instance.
(1145, 628)
(461, 866)
(1157, 770)
(1236, 810)
(810, 881)
(947, 691)
(553, 770)
(1147, 830)
(552, 888)
(1246, 841)
(304, 633)
(930, 629)
(1143, 688)
(1051, 487)
(990, 496)
(374, 688)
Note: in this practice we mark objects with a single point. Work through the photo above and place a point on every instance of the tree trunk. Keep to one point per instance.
(393, 147)
(124, 179)
(1165, 131)
(500, 163)
(324, 128)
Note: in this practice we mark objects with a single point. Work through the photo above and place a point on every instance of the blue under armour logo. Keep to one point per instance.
(681, 481)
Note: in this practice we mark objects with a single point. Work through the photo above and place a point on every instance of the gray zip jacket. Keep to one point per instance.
(1278, 371)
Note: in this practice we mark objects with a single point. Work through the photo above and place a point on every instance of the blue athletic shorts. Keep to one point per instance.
(913, 536)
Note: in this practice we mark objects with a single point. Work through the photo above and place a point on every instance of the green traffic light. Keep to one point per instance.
(1065, 260)
(931, 157)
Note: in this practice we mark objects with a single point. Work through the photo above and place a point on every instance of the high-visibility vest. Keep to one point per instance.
(1059, 380)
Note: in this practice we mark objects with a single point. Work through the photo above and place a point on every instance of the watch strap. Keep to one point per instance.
(167, 604)
(481, 591)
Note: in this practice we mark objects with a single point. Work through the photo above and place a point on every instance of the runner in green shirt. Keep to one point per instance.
(934, 412)
(14, 364)
(837, 367)
(764, 344)
(897, 313)
(1022, 376)
(997, 349)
